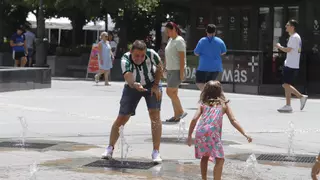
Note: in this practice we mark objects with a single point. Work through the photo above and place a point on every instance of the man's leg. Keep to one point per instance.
(154, 107)
(23, 61)
(156, 128)
(120, 121)
(128, 104)
(200, 79)
(289, 89)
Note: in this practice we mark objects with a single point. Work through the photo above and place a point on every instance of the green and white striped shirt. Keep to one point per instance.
(145, 72)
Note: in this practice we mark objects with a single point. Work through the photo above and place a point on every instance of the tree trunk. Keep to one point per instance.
(123, 37)
(78, 21)
(158, 27)
(1, 21)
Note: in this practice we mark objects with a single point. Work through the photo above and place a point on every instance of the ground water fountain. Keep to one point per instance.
(33, 170)
(251, 167)
(290, 154)
(24, 126)
(182, 130)
(124, 146)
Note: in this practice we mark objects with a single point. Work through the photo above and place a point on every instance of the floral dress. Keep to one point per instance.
(208, 133)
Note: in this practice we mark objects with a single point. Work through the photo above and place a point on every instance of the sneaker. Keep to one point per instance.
(303, 101)
(108, 153)
(96, 78)
(285, 108)
(156, 158)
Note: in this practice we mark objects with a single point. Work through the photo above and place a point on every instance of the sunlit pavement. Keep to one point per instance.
(77, 116)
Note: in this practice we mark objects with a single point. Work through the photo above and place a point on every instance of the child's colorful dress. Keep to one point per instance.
(208, 133)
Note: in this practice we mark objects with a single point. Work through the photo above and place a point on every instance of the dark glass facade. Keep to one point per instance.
(252, 28)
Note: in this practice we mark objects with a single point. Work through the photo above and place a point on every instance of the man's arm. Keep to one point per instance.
(25, 44)
(126, 68)
(284, 49)
(159, 71)
(197, 50)
(223, 48)
(12, 40)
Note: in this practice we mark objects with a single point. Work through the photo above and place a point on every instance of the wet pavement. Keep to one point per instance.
(75, 117)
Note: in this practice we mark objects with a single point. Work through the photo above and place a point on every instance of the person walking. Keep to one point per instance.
(291, 66)
(30, 43)
(209, 49)
(19, 47)
(175, 63)
(208, 144)
(142, 71)
(105, 58)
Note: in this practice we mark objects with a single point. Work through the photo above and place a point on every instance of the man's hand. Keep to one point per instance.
(139, 87)
(156, 92)
(278, 46)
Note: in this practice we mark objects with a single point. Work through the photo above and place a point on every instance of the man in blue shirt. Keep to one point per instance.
(209, 49)
(18, 44)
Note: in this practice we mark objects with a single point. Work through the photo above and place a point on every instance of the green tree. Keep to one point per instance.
(135, 19)
(11, 16)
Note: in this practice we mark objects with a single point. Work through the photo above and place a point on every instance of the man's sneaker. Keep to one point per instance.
(156, 158)
(286, 109)
(96, 78)
(108, 153)
(303, 101)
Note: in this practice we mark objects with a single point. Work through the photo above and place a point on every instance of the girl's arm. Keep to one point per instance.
(195, 120)
(235, 123)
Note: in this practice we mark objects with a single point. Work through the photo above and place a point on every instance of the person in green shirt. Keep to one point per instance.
(142, 71)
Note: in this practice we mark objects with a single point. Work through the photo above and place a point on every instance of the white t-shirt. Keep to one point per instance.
(293, 57)
(172, 50)
(113, 45)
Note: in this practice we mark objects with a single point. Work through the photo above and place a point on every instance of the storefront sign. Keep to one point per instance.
(236, 69)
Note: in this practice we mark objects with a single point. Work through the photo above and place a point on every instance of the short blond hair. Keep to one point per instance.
(103, 34)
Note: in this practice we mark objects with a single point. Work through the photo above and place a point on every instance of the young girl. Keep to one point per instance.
(208, 133)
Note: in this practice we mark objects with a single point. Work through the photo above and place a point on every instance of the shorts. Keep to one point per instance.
(173, 78)
(30, 53)
(131, 98)
(19, 55)
(203, 77)
(288, 75)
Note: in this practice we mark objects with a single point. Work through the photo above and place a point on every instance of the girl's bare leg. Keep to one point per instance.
(204, 167)
(217, 171)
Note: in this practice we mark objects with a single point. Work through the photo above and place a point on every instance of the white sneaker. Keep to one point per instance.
(96, 78)
(108, 153)
(285, 108)
(156, 156)
(303, 101)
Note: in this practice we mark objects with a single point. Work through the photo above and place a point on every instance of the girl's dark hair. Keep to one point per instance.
(172, 25)
(212, 94)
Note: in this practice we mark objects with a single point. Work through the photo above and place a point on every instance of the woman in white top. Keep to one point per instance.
(113, 43)
(175, 63)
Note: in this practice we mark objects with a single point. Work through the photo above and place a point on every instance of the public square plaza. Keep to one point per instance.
(76, 116)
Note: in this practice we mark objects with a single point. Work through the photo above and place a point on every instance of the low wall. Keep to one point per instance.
(68, 66)
(15, 79)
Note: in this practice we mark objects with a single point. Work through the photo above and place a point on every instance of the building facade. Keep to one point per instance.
(250, 29)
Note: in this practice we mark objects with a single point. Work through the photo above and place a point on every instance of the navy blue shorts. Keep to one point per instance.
(131, 98)
(204, 76)
(288, 75)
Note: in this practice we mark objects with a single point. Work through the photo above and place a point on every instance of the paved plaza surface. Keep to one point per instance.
(76, 117)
